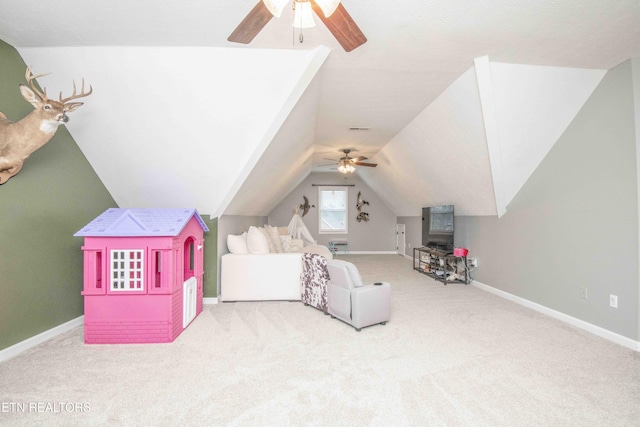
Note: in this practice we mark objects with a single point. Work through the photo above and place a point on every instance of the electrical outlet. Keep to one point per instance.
(473, 262)
(583, 293)
(613, 301)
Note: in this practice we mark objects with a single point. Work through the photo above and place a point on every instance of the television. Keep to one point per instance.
(438, 227)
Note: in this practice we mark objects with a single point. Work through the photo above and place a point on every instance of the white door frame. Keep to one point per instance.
(400, 239)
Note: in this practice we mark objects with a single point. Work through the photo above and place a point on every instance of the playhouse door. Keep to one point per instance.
(189, 296)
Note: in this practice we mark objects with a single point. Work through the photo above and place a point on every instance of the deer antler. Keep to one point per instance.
(31, 80)
(82, 94)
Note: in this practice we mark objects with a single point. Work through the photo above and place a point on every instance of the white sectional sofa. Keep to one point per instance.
(263, 276)
(260, 277)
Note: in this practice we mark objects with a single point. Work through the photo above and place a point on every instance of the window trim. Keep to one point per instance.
(125, 269)
(345, 189)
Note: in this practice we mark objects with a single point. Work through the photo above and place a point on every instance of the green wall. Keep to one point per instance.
(210, 281)
(56, 193)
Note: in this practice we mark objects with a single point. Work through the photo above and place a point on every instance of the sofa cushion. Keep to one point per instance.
(257, 241)
(237, 244)
(319, 250)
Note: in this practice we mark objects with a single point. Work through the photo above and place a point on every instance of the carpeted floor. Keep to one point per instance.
(450, 356)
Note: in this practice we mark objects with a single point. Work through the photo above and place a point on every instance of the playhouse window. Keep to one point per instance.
(98, 266)
(157, 269)
(127, 267)
(189, 258)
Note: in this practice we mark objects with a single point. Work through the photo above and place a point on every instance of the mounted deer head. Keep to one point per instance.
(18, 140)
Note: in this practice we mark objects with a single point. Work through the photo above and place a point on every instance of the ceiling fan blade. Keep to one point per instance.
(332, 160)
(342, 26)
(251, 24)
(358, 159)
(371, 165)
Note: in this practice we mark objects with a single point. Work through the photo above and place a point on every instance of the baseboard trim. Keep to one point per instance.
(589, 327)
(18, 348)
(210, 300)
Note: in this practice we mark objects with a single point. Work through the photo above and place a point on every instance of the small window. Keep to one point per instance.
(333, 210)
(157, 269)
(127, 268)
(189, 258)
(98, 272)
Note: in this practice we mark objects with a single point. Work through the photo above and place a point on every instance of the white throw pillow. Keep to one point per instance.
(297, 245)
(257, 241)
(286, 243)
(274, 239)
(283, 231)
(237, 244)
(272, 247)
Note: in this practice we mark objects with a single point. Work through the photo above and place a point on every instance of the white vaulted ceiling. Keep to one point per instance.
(464, 164)
(463, 98)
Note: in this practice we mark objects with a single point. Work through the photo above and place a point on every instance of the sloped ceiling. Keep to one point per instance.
(441, 157)
(177, 127)
(284, 164)
(533, 107)
(181, 117)
(447, 154)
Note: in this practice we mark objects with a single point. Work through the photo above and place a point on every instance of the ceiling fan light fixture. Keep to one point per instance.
(328, 6)
(339, 23)
(275, 6)
(346, 167)
(302, 14)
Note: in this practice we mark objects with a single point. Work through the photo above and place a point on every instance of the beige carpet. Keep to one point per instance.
(450, 356)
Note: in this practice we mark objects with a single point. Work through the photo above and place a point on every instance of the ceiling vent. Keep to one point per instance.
(359, 128)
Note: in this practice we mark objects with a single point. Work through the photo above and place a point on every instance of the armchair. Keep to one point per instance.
(353, 302)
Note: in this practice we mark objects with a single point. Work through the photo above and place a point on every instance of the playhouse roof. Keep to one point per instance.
(118, 222)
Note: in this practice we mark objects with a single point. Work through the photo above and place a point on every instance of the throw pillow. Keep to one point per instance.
(272, 247)
(257, 241)
(237, 244)
(274, 239)
(296, 245)
(286, 243)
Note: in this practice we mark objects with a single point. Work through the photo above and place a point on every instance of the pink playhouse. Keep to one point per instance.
(143, 271)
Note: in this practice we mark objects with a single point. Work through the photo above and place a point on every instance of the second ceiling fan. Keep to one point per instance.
(331, 12)
(348, 164)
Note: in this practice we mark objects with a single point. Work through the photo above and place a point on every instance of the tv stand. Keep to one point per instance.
(441, 265)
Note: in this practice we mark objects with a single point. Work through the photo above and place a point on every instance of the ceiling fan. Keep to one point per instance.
(348, 164)
(331, 12)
